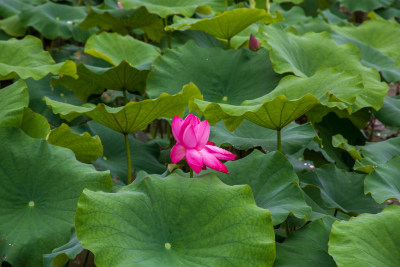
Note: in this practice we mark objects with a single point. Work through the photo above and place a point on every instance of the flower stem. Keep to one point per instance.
(279, 140)
(128, 159)
(229, 43)
(268, 7)
(191, 173)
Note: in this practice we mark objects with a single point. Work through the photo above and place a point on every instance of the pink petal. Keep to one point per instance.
(202, 131)
(189, 120)
(210, 143)
(211, 161)
(177, 153)
(253, 43)
(176, 128)
(189, 137)
(220, 153)
(194, 159)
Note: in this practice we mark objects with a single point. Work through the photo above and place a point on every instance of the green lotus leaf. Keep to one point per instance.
(274, 184)
(340, 142)
(228, 24)
(25, 58)
(307, 246)
(249, 135)
(144, 156)
(124, 21)
(34, 124)
(13, 26)
(365, 5)
(288, 1)
(331, 87)
(133, 116)
(56, 20)
(207, 73)
(41, 88)
(60, 256)
(304, 55)
(115, 48)
(85, 147)
(94, 80)
(367, 240)
(10, 8)
(164, 8)
(176, 221)
(380, 152)
(390, 112)
(341, 190)
(13, 99)
(378, 49)
(319, 210)
(40, 193)
(383, 182)
(274, 114)
(224, 76)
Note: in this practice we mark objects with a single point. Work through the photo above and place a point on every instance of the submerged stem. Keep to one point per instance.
(128, 159)
(279, 140)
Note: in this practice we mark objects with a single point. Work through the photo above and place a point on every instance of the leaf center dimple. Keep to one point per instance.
(167, 246)
(31, 203)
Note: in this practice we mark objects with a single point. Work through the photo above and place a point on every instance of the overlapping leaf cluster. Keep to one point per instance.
(88, 89)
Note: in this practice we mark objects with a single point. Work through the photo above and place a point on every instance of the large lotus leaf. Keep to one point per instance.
(124, 21)
(10, 8)
(274, 114)
(377, 48)
(34, 124)
(133, 116)
(42, 192)
(229, 23)
(367, 240)
(341, 190)
(85, 147)
(27, 59)
(307, 247)
(115, 48)
(144, 156)
(365, 5)
(390, 112)
(224, 76)
(273, 182)
(13, 26)
(56, 20)
(60, 256)
(13, 99)
(293, 97)
(94, 80)
(175, 221)
(249, 135)
(41, 88)
(304, 55)
(380, 152)
(164, 8)
(331, 87)
(383, 183)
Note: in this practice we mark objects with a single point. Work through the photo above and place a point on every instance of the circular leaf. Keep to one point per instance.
(367, 240)
(176, 221)
(39, 189)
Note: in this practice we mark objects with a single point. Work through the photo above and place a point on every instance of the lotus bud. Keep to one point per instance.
(253, 43)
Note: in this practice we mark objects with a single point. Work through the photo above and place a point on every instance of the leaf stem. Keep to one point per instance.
(229, 43)
(128, 159)
(191, 173)
(168, 37)
(336, 210)
(287, 231)
(268, 7)
(125, 97)
(279, 139)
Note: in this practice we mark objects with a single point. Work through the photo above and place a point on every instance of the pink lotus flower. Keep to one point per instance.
(253, 43)
(192, 142)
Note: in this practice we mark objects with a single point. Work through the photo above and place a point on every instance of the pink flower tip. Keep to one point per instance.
(253, 43)
(120, 5)
(192, 143)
